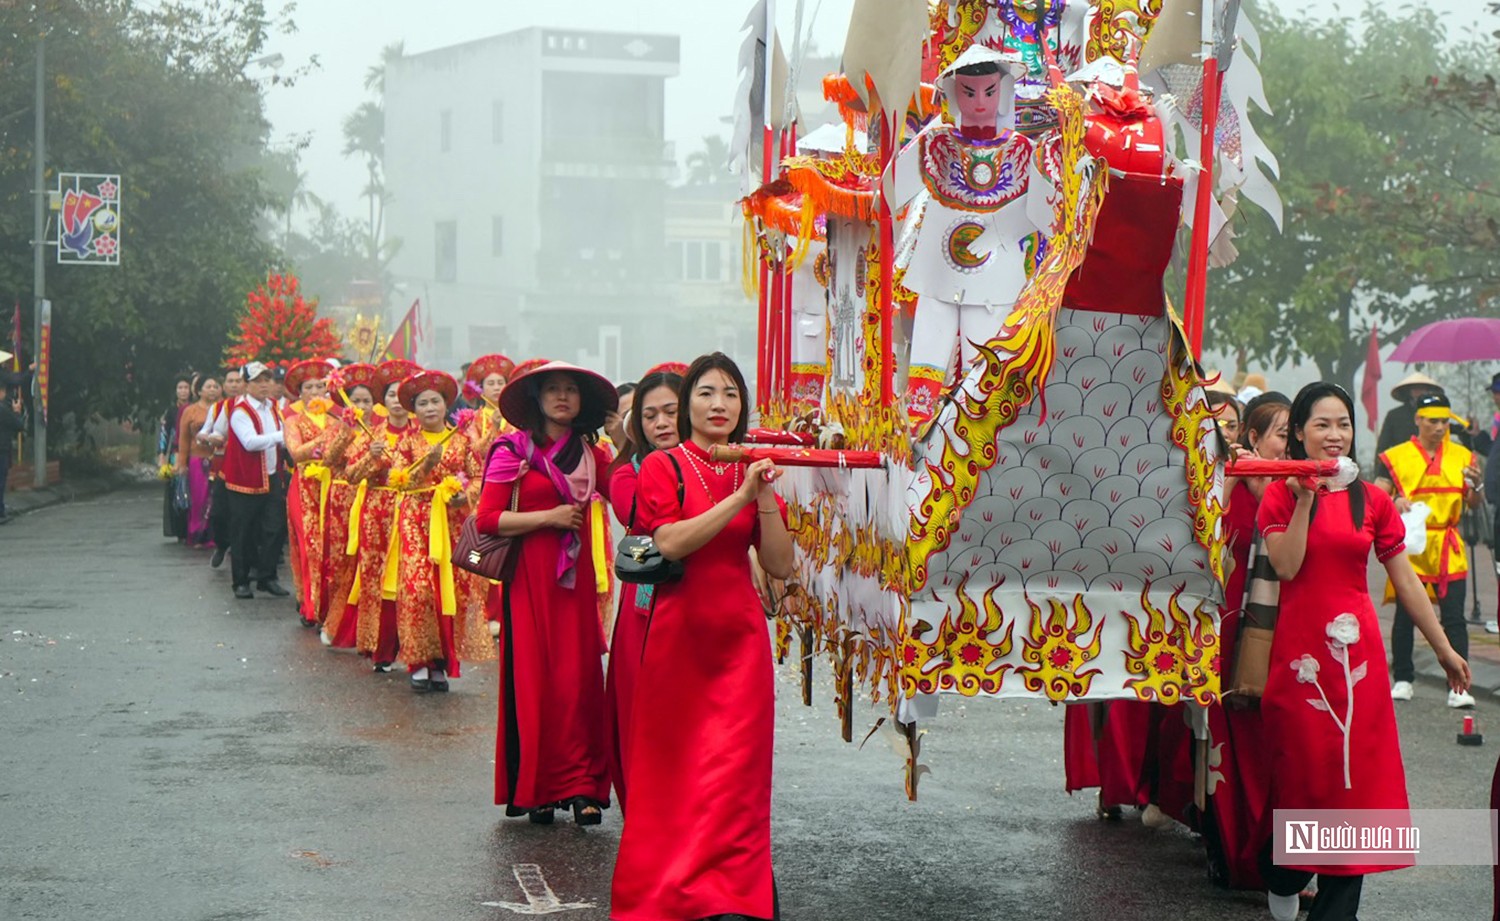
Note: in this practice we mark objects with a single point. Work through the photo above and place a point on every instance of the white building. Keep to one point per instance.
(528, 178)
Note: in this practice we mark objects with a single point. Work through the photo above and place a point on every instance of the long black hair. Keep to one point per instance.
(639, 443)
(1302, 407)
(717, 361)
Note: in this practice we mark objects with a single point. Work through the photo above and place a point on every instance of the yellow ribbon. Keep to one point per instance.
(599, 541)
(354, 589)
(390, 580)
(324, 476)
(440, 545)
(356, 512)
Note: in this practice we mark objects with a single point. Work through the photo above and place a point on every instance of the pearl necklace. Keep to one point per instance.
(718, 469)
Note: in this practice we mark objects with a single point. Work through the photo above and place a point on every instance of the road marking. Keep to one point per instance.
(540, 899)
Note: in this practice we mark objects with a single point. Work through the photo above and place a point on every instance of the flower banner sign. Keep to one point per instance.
(88, 229)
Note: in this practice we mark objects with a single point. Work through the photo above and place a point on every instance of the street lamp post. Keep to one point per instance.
(38, 249)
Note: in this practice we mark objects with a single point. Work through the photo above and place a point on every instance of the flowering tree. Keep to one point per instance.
(280, 327)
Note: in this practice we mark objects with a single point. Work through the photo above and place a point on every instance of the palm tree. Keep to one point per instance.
(710, 164)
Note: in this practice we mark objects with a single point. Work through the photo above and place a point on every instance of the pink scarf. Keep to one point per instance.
(515, 453)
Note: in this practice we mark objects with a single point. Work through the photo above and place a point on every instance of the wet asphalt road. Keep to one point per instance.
(169, 753)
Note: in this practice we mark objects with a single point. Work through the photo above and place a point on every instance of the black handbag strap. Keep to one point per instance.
(636, 498)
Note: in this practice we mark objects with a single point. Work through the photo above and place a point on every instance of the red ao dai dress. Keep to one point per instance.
(697, 838)
(1343, 752)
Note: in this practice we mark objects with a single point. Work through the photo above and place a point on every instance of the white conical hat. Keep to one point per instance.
(1414, 380)
(1012, 67)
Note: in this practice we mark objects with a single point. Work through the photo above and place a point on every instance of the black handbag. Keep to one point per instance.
(638, 561)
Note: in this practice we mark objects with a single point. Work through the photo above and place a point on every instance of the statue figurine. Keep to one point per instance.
(980, 200)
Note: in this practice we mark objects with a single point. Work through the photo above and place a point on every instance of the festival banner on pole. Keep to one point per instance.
(44, 360)
(88, 230)
(407, 338)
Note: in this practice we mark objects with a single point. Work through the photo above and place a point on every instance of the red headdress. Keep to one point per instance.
(348, 377)
(393, 372)
(668, 367)
(485, 365)
(420, 383)
(300, 373)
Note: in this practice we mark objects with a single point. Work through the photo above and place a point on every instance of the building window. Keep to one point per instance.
(696, 260)
(497, 236)
(674, 260)
(445, 251)
(497, 122)
(445, 131)
(442, 343)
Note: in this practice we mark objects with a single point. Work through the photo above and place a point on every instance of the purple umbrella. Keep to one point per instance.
(1461, 339)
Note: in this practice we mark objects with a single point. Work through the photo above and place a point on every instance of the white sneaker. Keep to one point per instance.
(1153, 817)
(1464, 701)
(324, 638)
(1283, 907)
(1402, 690)
(1492, 626)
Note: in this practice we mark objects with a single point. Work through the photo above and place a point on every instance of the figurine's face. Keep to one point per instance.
(978, 99)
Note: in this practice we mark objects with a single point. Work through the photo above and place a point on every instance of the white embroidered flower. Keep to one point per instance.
(1307, 669)
(1344, 630)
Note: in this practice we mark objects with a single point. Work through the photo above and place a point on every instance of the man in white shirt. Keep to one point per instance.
(218, 507)
(255, 485)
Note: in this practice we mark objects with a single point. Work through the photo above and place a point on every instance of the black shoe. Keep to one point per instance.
(383, 668)
(273, 588)
(243, 591)
(439, 684)
(218, 557)
(542, 816)
(593, 816)
(421, 685)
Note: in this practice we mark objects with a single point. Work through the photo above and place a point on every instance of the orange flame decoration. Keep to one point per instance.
(969, 649)
(1192, 429)
(1055, 650)
(1175, 656)
(1016, 362)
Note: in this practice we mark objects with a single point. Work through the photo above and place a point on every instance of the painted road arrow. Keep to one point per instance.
(540, 899)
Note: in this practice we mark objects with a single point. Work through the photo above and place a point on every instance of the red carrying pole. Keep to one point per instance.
(798, 457)
(763, 330)
(887, 267)
(1197, 280)
(788, 148)
(773, 437)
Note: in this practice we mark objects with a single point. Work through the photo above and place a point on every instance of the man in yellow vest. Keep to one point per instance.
(1436, 471)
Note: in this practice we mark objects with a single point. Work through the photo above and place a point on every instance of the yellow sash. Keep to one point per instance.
(390, 581)
(599, 545)
(440, 544)
(320, 472)
(356, 512)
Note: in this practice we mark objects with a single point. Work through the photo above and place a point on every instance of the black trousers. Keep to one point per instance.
(218, 514)
(4, 475)
(1450, 610)
(1338, 896)
(257, 527)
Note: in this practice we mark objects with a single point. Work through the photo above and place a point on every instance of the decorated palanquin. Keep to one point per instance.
(1047, 521)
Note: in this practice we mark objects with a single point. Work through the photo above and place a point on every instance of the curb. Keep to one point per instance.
(1486, 674)
(26, 501)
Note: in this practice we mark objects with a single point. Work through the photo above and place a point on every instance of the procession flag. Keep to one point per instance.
(408, 336)
(1369, 393)
(15, 339)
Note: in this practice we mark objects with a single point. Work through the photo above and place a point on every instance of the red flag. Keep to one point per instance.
(1369, 393)
(404, 340)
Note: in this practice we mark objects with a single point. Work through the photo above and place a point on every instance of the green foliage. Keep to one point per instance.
(165, 95)
(1377, 186)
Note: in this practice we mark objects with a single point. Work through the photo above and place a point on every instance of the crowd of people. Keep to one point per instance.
(363, 478)
(359, 480)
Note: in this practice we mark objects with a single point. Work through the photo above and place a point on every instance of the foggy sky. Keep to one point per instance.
(347, 43)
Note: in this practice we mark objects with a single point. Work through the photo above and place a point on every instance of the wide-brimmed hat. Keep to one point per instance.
(391, 372)
(420, 383)
(348, 377)
(485, 365)
(309, 369)
(519, 406)
(1414, 380)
